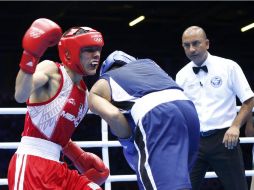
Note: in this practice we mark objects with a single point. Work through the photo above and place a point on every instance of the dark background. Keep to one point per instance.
(158, 37)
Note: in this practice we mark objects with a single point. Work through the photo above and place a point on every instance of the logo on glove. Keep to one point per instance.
(36, 32)
(30, 64)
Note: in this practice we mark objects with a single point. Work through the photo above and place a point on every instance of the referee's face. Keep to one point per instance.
(195, 46)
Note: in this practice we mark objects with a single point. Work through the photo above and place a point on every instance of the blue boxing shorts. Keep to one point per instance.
(165, 140)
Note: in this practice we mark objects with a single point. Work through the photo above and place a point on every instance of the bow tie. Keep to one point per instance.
(197, 69)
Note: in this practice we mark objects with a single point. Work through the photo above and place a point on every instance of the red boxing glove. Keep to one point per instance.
(43, 33)
(87, 163)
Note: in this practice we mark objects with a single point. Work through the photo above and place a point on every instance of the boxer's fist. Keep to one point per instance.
(92, 167)
(43, 33)
(87, 163)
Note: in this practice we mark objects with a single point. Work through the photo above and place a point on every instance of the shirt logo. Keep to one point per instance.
(72, 118)
(72, 101)
(216, 82)
(68, 116)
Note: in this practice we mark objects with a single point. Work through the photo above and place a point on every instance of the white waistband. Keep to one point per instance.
(149, 101)
(39, 147)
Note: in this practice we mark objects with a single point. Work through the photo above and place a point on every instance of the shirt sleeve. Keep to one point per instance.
(239, 83)
(178, 79)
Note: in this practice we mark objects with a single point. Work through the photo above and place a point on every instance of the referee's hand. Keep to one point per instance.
(231, 137)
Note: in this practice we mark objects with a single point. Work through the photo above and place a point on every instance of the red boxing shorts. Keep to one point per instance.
(36, 165)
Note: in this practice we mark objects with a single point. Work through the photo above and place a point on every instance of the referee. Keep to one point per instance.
(213, 83)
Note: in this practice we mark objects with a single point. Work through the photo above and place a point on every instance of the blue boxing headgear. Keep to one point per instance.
(116, 58)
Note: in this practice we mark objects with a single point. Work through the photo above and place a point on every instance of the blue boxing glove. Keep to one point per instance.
(116, 58)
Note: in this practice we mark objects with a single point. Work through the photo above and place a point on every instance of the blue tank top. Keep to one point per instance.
(137, 79)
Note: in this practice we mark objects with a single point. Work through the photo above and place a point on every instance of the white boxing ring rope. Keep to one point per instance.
(105, 144)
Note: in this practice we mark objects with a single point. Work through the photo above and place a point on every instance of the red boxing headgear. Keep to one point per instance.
(71, 43)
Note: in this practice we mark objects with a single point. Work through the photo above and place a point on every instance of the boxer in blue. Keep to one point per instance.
(154, 121)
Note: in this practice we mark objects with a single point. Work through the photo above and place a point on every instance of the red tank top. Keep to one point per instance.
(56, 119)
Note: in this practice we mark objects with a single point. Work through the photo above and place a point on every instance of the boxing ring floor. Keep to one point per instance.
(104, 144)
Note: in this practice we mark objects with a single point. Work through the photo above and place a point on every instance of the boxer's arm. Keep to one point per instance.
(43, 33)
(26, 84)
(99, 103)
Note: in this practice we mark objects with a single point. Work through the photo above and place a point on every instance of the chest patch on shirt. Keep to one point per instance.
(216, 81)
